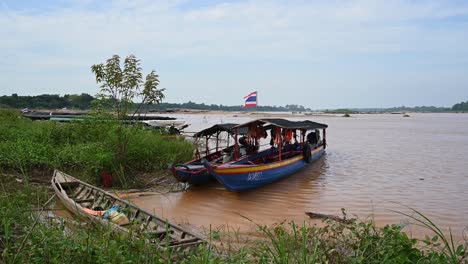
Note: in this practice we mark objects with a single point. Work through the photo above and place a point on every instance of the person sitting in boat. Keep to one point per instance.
(228, 154)
(275, 137)
(313, 138)
(243, 146)
(290, 140)
(246, 147)
(295, 137)
(317, 134)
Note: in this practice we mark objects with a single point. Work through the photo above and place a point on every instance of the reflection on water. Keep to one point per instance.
(374, 164)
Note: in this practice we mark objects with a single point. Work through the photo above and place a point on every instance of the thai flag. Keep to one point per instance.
(251, 99)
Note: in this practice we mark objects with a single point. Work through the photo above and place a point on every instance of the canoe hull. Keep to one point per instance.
(84, 200)
(194, 177)
(242, 178)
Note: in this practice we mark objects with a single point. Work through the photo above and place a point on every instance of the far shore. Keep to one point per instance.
(253, 114)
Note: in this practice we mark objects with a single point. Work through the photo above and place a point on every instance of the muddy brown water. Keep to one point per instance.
(374, 164)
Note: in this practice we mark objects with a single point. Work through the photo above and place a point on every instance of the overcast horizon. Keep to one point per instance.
(319, 54)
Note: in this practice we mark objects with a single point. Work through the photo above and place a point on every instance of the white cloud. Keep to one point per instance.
(70, 39)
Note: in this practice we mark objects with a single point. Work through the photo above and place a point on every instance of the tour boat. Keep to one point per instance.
(286, 156)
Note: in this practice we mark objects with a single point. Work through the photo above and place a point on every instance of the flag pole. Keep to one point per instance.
(256, 103)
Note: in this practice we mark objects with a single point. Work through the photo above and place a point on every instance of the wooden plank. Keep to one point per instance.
(147, 221)
(77, 191)
(84, 200)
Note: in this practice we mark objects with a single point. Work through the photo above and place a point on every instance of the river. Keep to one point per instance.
(374, 165)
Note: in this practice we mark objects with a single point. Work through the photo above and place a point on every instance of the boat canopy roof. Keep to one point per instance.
(283, 123)
(228, 127)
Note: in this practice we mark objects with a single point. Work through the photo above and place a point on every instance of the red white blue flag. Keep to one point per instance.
(251, 99)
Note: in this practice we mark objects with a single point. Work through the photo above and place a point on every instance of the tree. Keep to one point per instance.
(122, 86)
(461, 107)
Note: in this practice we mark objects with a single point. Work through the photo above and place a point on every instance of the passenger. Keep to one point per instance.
(295, 137)
(312, 139)
(246, 147)
(243, 146)
(289, 136)
(229, 155)
(317, 134)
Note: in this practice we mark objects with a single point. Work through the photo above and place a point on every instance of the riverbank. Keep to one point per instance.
(53, 239)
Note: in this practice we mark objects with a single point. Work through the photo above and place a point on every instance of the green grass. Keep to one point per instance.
(354, 242)
(358, 242)
(84, 148)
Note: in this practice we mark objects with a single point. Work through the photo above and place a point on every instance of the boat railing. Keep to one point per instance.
(284, 155)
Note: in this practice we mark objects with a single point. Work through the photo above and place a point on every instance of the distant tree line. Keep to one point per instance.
(202, 106)
(461, 107)
(428, 109)
(83, 101)
(47, 101)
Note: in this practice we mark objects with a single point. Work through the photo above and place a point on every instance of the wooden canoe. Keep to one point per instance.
(83, 199)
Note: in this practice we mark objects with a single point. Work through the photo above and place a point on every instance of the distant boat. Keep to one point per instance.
(164, 123)
(194, 172)
(282, 160)
(47, 115)
(101, 207)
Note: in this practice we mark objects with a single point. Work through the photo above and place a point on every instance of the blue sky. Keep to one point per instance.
(320, 54)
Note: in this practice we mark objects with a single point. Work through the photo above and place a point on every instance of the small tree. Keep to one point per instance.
(122, 86)
(119, 88)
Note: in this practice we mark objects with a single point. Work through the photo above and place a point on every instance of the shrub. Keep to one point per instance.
(84, 147)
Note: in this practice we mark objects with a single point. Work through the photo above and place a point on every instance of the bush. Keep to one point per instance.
(84, 147)
(353, 242)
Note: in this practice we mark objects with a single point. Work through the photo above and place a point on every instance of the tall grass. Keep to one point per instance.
(443, 243)
(53, 241)
(355, 241)
(86, 147)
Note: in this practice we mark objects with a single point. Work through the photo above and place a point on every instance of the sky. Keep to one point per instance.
(316, 53)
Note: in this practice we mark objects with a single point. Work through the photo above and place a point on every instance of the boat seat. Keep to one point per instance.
(84, 200)
(69, 186)
(157, 234)
(184, 241)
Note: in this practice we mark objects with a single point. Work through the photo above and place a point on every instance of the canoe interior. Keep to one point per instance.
(77, 195)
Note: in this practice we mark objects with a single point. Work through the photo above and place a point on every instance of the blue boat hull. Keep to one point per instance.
(242, 178)
(194, 177)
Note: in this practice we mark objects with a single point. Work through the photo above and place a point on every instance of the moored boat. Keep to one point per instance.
(98, 206)
(286, 156)
(194, 172)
